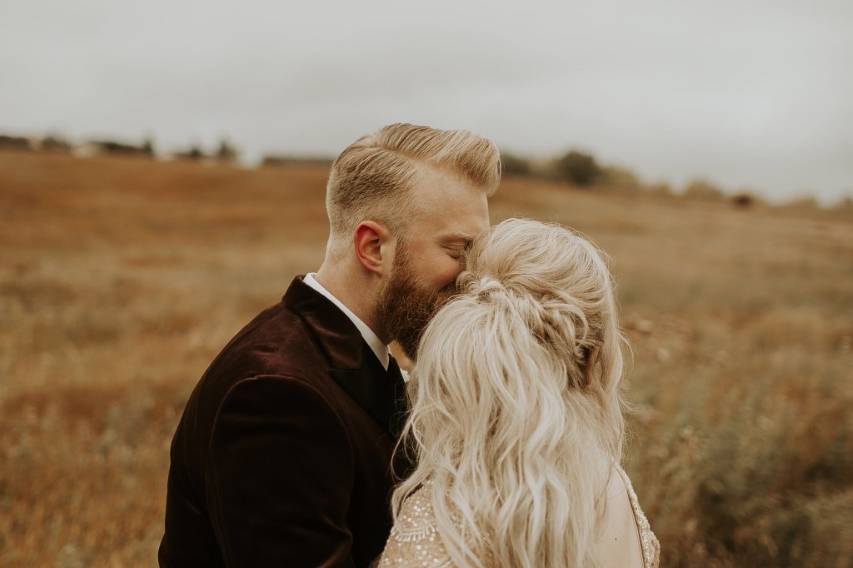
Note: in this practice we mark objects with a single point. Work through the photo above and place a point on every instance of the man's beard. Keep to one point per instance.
(405, 307)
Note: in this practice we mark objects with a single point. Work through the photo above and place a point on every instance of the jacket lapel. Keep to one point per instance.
(352, 364)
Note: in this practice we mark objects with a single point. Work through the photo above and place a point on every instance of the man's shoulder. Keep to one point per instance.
(275, 342)
(279, 398)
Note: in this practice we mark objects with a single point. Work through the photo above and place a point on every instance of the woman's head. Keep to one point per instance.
(515, 396)
(557, 284)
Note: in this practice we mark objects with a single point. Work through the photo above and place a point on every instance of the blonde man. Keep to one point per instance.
(282, 455)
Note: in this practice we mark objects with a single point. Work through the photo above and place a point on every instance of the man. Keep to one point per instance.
(282, 456)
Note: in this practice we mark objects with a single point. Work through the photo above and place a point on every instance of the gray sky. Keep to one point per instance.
(747, 94)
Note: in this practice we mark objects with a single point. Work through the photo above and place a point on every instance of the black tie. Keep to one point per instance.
(398, 416)
(404, 459)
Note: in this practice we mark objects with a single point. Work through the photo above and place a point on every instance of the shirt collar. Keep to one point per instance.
(376, 345)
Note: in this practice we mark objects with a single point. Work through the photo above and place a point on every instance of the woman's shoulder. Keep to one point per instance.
(622, 490)
(414, 539)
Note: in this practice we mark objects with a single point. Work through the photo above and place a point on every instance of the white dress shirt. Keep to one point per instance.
(375, 344)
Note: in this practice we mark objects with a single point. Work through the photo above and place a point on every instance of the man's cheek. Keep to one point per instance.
(449, 273)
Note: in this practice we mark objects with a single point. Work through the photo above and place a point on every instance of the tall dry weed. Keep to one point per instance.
(122, 278)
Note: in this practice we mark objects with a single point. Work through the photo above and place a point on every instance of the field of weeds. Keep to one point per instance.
(121, 278)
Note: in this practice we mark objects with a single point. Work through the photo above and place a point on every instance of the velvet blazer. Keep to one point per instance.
(282, 455)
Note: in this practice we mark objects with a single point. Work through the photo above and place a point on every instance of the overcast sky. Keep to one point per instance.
(744, 93)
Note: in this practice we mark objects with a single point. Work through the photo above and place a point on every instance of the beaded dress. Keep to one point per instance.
(415, 541)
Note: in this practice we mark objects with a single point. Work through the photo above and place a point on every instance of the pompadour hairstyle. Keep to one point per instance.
(373, 176)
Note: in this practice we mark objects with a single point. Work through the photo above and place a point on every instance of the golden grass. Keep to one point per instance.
(121, 278)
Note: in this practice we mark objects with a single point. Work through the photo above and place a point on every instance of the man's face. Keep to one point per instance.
(428, 258)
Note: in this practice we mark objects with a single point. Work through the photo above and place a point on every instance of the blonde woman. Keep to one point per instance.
(516, 419)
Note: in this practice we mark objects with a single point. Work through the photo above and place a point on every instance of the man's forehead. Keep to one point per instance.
(453, 207)
(434, 183)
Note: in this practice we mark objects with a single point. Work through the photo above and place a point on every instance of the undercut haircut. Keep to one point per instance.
(373, 177)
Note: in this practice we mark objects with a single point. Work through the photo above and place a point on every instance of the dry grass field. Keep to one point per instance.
(121, 278)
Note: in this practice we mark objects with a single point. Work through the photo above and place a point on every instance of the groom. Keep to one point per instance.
(282, 455)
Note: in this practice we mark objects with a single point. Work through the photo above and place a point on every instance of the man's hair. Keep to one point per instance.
(373, 176)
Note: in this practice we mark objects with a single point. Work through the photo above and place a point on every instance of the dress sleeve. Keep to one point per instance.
(414, 540)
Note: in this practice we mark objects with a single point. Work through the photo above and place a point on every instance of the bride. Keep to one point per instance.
(516, 420)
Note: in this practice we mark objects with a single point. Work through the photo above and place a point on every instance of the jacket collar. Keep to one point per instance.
(337, 336)
(352, 364)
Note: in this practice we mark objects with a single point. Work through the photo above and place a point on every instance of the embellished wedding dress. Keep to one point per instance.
(415, 541)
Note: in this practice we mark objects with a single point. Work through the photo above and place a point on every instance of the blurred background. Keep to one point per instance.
(162, 168)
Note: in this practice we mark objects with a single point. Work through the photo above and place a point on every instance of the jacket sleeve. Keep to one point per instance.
(279, 477)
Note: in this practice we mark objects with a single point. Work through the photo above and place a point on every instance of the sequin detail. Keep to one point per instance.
(414, 540)
(648, 540)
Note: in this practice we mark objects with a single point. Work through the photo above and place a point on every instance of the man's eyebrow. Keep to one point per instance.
(457, 237)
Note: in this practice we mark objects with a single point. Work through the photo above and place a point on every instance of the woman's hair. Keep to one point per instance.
(373, 176)
(516, 417)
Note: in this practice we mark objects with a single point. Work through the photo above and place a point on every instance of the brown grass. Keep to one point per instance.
(121, 278)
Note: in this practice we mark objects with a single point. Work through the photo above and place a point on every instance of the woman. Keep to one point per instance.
(516, 419)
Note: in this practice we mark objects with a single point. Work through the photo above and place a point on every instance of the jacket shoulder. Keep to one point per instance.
(279, 402)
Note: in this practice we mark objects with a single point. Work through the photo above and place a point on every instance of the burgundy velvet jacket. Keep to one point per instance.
(282, 455)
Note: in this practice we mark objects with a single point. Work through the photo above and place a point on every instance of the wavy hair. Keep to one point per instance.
(516, 415)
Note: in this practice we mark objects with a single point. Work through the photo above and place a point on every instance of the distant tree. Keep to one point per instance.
(15, 142)
(285, 160)
(122, 148)
(743, 200)
(845, 203)
(513, 165)
(578, 168)
(620, 177)
(55, 143)
(661, 188)
(746, 198)
(273, 160)
(148, 147)
(703, 190)
(193, 153)
(226, 152)
(802, 202)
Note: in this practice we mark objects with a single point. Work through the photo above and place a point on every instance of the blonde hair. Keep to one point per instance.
(516, 417)
(372, 177)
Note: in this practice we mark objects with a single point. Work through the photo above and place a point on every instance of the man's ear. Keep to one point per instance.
(368, 239)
